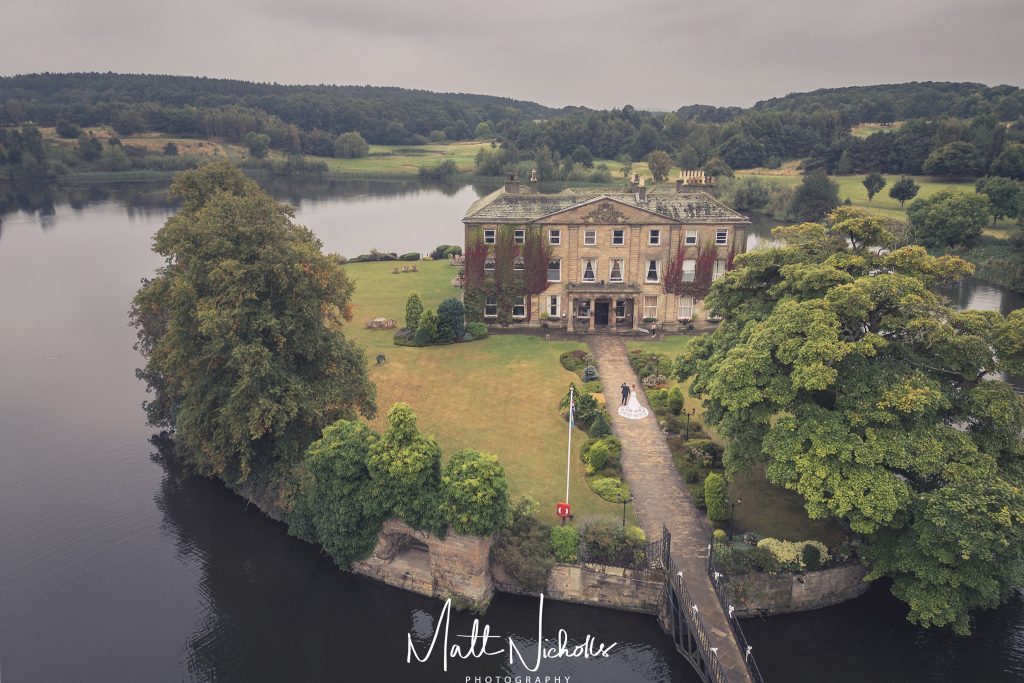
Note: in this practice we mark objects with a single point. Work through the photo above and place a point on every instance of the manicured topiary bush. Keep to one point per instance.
(612, 489)
(600, 426)
(589, 373)
(411, 256)
(426, 331)
(451, 321)
(476, 330)
(603, 454)
(714, 497)
(413, 311)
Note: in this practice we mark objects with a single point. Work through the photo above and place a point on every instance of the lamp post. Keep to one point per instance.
(732, 513)
(624, 501)
(689, 414)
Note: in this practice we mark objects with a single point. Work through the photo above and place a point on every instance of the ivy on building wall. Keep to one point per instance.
(507, 285)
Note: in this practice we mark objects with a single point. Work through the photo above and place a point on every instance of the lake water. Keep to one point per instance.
(116, 566)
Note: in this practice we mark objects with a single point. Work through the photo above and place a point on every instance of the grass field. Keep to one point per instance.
(406, 159)
(498, 395)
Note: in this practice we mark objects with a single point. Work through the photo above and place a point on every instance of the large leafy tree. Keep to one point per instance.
(948, 217)
(815, 196)
(475, 493)
(241, 329)
(864, 392)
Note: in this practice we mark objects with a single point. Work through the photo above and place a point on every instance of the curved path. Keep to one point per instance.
(660, 497)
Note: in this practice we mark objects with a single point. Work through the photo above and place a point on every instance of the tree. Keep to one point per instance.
(89, 148)
(873, 183)
(955, 160)
(451, 321)
(599, 427)
(241, 330)
(1009, 163)
(948, 217)
(483, 130)
(170, 150)
(475, 494)
(258, 144)
(625, 165)
(351, 145)
(334, 507)
(405, 467)
(864, 392)
(714, 497)
(660, 164)
(582, 156)
(716, 168)
(426, 330)
(1005, 196)
(413, 311)
(815, 196)
(66, 130)
(903, 190)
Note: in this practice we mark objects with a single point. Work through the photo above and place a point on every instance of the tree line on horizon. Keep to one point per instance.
(966, 125)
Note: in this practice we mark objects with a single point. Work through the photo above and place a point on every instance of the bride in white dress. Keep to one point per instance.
(633, 410)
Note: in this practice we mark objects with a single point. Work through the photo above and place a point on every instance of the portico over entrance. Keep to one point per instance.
(596, 306)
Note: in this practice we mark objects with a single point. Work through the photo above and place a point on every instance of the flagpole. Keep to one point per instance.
(568, 452)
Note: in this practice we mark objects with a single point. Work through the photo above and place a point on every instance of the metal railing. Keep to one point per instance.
(684, 610)
(718, 581)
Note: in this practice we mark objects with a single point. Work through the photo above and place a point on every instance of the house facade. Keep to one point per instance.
(590, 261)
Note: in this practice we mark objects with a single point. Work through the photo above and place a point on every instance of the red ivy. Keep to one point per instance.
(476, 253)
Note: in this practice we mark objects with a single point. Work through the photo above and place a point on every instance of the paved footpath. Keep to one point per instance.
(660, 497)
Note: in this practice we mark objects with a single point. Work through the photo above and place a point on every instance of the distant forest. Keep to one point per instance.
(951, 129)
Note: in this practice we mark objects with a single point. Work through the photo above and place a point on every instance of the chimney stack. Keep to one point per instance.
(634, 183)
(512, 184)
(679, 182)
(642, 190)
(533, 180)
(692, 181)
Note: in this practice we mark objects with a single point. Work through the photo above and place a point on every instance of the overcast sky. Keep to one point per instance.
(659, 54)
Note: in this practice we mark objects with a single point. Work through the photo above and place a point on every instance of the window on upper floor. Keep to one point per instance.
(689, 270)
(554, 236)
(652, 271)
(719, 270)
(615, 272)
(654, 237)
(691, 236)
(589, 270)
(555, 270)
(589, 237)
(488, 236)
(618, 237)
(520, 236)
(722, 236)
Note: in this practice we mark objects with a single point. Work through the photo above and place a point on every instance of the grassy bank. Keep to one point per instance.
(498, 395)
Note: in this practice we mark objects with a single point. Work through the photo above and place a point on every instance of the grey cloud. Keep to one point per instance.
(660, 53)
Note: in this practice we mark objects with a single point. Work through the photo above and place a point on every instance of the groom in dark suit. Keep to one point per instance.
(625, 393)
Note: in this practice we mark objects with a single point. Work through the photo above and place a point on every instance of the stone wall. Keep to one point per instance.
(455, 566)
(765, 594)
(597, 585)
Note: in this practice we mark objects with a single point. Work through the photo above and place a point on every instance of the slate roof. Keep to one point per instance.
(683, 207)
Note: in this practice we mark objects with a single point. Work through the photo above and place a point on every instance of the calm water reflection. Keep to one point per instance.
(114, 566)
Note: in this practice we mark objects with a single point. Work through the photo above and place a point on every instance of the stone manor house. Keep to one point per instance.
(591, 260)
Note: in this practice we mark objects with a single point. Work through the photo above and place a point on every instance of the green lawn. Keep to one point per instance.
(498, 395)
(407, 159)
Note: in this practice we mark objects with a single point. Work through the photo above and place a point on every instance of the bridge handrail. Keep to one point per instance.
(734, 623)
(692, 617)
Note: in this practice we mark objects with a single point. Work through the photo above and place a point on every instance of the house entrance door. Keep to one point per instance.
(601, 312)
